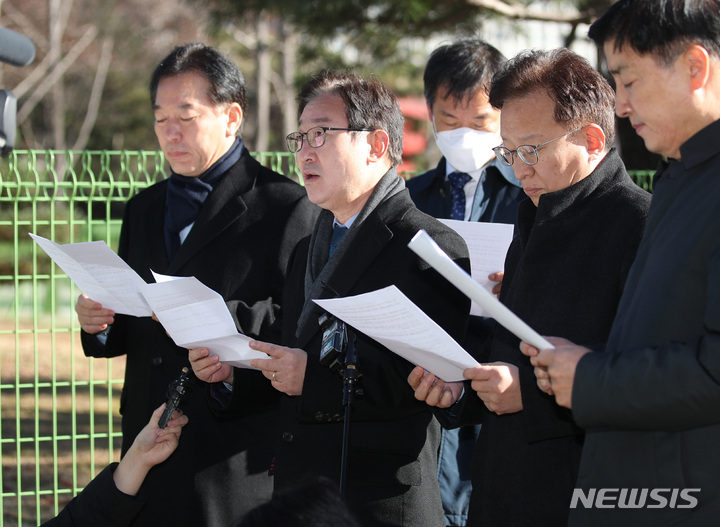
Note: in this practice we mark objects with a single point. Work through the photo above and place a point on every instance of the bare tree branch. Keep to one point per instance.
(519, 11)
(35, 75)
(57, 73)
(241, 37)
(95, 94)
(65, 10)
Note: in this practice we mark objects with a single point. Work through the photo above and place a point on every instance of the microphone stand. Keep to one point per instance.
(350, 378)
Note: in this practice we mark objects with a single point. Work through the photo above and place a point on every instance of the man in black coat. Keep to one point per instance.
(348, 147)
(650, 399)
(231, 223)
(466, 128)
(564, 272)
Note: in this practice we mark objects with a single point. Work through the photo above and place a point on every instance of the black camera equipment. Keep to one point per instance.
(18, 50)
(175, 394)
(339, 353)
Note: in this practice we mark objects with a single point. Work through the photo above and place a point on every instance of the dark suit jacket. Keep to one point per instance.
(432, 194)
(239, 246)
(394, 438)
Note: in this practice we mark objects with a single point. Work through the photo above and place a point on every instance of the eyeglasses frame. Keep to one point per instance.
(325, 129)
(512, 153)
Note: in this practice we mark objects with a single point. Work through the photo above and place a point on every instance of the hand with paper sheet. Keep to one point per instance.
(93, 317)
(390, 318)
(497, 384)
(195, 316)
(424, 246)
(100, 273)
(487, 244)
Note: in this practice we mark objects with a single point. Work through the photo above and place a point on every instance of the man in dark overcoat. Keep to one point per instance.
(468, 184)
(649, 397)
(565, 271)
(231, 223)
(348, 146)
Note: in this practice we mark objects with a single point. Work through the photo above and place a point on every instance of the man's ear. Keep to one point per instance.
(594, 139)
(697, 59)
(379, 142)
(235, 117)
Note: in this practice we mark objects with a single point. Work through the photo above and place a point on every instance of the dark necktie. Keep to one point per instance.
(337, 234)
(458, 181)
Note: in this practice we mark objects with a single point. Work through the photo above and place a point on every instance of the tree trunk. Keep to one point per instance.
(289, 46)
(262, 138)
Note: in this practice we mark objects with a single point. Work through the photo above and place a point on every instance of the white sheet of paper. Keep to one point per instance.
(389, 317)
(195, 316)
(425, 247)
(487, 244)
(99, 273)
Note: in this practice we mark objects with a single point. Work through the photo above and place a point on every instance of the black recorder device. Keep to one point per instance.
(334, 342)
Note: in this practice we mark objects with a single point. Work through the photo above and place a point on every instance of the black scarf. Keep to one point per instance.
(186, 195)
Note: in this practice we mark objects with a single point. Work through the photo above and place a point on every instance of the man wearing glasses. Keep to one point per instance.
(348, 145)
(650, 400)
(564, 274)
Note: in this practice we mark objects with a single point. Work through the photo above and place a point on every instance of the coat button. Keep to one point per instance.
(319, 416)
(287, 436)
(337, 417)
(156, 361)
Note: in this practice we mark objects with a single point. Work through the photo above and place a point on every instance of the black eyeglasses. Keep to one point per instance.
(315, 136)
(528, 154)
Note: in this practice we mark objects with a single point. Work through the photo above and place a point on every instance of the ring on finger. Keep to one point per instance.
(273, 376)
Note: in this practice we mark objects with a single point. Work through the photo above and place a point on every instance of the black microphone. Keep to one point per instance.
(15, 49)
(176, 393)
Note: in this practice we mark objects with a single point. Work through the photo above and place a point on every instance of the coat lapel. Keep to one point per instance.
(154, 242)
(223, 207)
(370, 240)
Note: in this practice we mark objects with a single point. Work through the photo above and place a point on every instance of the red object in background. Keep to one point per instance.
(415, 111)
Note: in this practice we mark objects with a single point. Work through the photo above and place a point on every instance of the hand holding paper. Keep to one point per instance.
(424, 246)
(195, 316)
(487, 244)
(389, 317)
(99, 273)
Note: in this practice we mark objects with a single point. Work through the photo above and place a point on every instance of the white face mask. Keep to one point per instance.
(466, 149)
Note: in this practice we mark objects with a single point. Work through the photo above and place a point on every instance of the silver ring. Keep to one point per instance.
(273, 377)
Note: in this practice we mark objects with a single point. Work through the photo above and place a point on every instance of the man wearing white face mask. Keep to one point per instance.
(468, 184)
(466, 128)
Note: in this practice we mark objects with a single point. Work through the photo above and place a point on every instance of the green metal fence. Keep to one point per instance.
(59, 421)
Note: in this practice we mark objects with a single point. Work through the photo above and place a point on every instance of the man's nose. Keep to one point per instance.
(622, 104)
(306, 152)
(172, 132)
(522, 169)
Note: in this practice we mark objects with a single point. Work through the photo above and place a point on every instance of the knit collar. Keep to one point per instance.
(609, 172)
